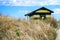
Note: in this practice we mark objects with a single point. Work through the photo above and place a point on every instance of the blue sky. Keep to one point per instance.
(18, 8)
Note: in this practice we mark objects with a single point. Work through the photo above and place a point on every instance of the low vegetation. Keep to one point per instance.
(13, 29)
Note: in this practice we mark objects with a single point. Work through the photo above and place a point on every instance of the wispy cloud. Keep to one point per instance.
(29, 2)
(24, 11)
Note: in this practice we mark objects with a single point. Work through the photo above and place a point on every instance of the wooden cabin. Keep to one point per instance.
(41, 13)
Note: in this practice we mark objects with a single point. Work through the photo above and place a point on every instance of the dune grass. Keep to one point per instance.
(21, 29)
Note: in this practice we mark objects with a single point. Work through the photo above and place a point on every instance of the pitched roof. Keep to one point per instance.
(42, 8)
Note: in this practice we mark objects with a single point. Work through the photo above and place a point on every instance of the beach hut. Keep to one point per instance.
(41, 13)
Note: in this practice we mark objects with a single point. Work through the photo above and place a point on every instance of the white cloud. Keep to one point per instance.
(29, 2)
(14, 1)
(56, 14)
(24, 11)
(57, 11)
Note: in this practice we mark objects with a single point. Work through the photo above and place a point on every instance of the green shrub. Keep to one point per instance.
(18, 33)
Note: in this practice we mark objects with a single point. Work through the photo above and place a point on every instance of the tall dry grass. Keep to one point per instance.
(12, 29)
